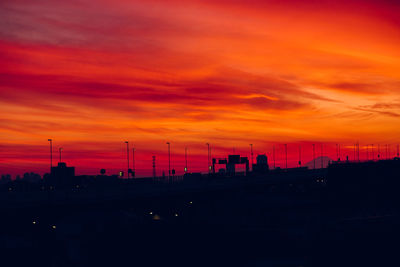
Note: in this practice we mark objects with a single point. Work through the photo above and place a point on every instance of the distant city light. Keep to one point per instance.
(176, 214)
(54, 227)
(151, 213)
(34, 222)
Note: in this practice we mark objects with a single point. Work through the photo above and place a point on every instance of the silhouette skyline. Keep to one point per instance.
(142, 161)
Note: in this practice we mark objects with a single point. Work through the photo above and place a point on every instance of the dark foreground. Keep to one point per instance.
(349, 217)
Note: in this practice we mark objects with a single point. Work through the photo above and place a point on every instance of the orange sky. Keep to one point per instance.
(93, 74)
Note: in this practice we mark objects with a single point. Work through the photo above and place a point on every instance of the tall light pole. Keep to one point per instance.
(379, 151)
(322, 156)
(169, 160)
(299, 155)
(314, 154)
(186, 166)
(208, 157)
(286, 155)
(59, 150)
(127, 158)
(251, 153)
(337, 152)
(372, 149)
(386, 151)
(51, 153)
(273, 154)
(133, 163)
(154, 166)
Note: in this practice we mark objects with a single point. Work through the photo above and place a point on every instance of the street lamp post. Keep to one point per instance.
(208, 157)
(286, 155)
(337, 152)
(51, 153)
(127, 158)
(299, 155)
(273, 154)
(186, 166)
(59, 150)
(169, 160)
(313, 146)
(251, 153)
(322, 156)
(372, 150)
(379, 151)
(133, 163)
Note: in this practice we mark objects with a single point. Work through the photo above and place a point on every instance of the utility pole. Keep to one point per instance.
(127, 158)
(397, 150)
(51, 153)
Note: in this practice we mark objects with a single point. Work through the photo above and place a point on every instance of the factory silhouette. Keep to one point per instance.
(322, 213)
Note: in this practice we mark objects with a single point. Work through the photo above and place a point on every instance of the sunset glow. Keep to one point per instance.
(93, 74)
